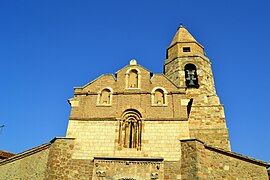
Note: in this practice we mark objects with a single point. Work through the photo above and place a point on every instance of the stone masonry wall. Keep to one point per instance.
(174, 70)
(172, 170)
(93, 138)
(189, 160)
(50, 161)
(100, 138)
(122, 98)
(217, 165)
(27, 166)
(203, 162)
(139, 169)
(207, 123)
(161, 138)
(95, 127)
(206, 119)
(61, 165)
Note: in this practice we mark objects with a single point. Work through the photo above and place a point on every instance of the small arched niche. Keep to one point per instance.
(133, 77)
(105, 97)
(159, 97)
(191, 77)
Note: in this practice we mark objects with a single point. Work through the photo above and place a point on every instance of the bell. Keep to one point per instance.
(191, 82)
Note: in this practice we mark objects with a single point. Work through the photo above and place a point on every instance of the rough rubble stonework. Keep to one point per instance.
(139, 125)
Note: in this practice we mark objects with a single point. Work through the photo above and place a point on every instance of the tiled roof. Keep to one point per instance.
(5, 154)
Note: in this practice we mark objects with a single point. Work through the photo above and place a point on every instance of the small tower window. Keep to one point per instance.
(191, 76)
(186, 49)
(105, 97)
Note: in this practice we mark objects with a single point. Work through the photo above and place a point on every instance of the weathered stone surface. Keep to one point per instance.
(30, 164)
(200, 161)
(61, 165)
(128, 168)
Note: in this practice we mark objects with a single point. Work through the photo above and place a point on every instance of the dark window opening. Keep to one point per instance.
(189, 106)
(186, 49)
(131, 134)
(191, 76)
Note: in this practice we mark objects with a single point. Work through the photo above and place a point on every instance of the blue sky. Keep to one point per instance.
(48, 47)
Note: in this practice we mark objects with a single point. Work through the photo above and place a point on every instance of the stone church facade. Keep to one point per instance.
(139, 125)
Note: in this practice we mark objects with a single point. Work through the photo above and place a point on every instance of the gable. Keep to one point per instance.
(97, 84)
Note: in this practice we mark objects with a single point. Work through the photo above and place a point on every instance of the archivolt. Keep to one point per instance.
(131, 113)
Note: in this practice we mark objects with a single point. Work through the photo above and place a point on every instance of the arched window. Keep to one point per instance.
(133, 77)
(130, 129)
(159, 96)
(105, 97)
(191, 76)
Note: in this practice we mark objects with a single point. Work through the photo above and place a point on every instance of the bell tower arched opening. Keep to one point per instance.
(191, 77)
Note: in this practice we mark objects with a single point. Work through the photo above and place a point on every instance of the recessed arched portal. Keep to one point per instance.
(130, 129)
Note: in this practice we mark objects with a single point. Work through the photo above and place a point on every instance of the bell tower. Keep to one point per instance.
(186, 64)
(190, 70)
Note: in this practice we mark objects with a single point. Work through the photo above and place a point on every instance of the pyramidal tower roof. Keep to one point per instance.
(183, 36)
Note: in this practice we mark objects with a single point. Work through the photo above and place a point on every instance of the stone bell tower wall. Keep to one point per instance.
(174, 70)
(206, 115)
(207, 123)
